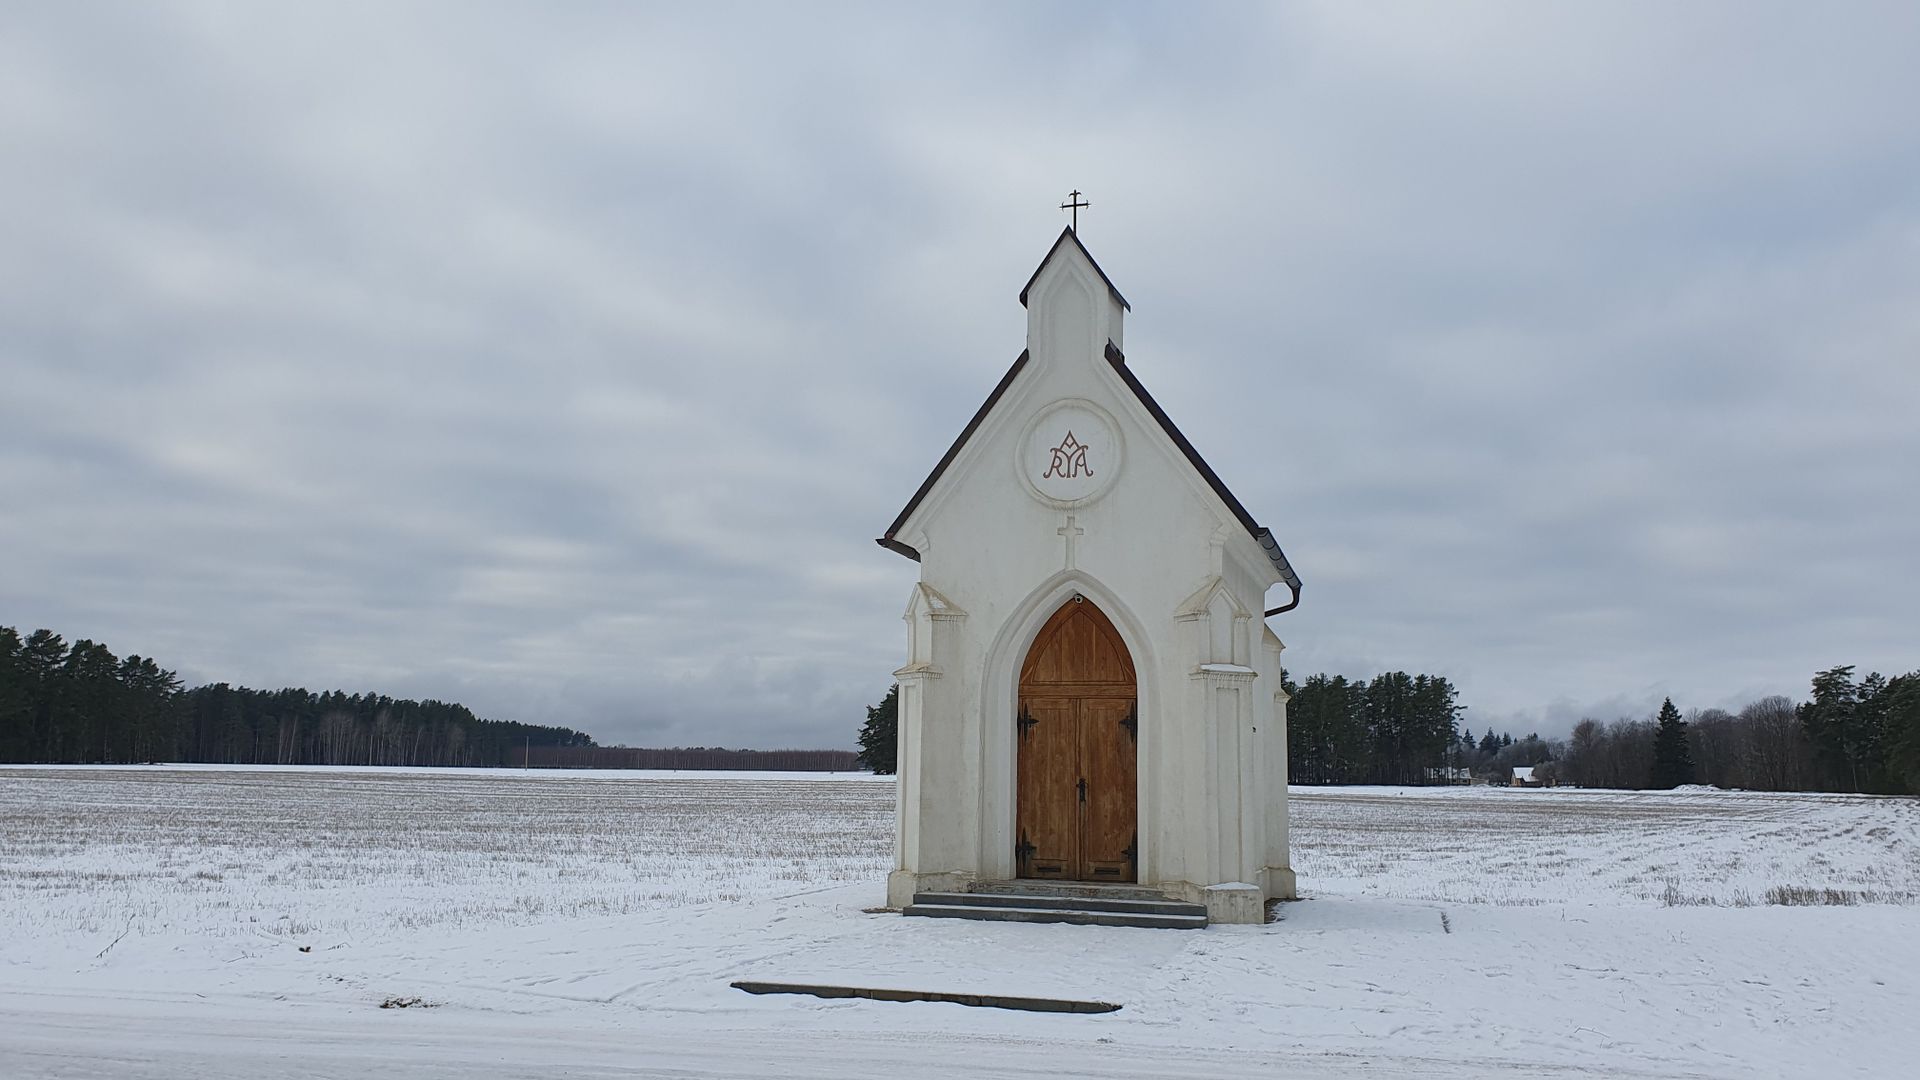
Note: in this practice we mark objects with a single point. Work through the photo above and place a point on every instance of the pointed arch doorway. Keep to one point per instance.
(1077, 801)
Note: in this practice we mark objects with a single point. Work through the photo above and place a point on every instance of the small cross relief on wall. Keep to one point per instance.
(1071, 532)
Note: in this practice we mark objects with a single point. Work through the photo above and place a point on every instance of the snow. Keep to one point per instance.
(586, 924)
(1537, 846)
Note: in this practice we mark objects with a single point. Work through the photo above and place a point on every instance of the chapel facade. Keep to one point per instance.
(1092, 693)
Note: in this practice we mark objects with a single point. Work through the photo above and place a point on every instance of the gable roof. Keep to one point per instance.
(1260, 533)
(1066, 235)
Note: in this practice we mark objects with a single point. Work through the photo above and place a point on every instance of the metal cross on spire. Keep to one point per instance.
(1075, 204)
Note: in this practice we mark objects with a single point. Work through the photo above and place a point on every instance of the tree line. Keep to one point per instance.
(1856, 735)
(1395, 728)
(1852, 735)
(81, 704)
(691, 757)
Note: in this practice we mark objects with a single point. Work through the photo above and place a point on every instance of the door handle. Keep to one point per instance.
(1083, 789)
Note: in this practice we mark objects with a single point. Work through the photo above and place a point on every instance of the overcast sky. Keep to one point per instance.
(565, 360)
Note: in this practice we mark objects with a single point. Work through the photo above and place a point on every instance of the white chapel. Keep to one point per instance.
(1091, 694)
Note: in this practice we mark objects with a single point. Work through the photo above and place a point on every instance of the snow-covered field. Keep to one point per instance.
(292, 853)
(1696, 846)
(204, 922)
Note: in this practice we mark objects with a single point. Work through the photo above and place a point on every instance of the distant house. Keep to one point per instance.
(1449, 776)
(1523, 777)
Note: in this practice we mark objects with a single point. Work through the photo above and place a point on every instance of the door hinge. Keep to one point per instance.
(1132, 722)
(1026, 721)
(1132, 853)
(1023, 851)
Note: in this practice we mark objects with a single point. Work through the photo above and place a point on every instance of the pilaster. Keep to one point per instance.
(933, 782)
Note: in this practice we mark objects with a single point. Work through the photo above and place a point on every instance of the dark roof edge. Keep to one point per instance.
(1065, 235)
(1260, 533)
(953, 451)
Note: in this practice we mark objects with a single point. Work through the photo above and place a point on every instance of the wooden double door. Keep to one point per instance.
(1078, 730)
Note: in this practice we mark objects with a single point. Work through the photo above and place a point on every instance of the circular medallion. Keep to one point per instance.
(1070, 454)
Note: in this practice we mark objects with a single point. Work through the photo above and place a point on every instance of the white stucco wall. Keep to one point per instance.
(1162, 555)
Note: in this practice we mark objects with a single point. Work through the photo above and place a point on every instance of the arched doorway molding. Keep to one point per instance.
(1000, 699)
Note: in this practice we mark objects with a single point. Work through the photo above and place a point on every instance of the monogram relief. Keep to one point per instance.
(1069, 460)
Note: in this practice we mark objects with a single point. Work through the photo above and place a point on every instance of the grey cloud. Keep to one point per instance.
(565, 361)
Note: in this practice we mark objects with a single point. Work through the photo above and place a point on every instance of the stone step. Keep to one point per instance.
(1157, 905)
(1088, 889)
(1055, 915)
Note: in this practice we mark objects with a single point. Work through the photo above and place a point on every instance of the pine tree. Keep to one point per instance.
(1326, 732)
(1903, 729)
(1831, 722)
(1870, 727)
(1672, 760)
(1391, 726)
(879, 738)
(16, 704)
(39, 663)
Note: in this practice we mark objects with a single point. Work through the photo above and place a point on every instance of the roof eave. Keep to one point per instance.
(1260, 533)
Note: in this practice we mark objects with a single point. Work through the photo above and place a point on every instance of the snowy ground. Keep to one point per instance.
(587, 924)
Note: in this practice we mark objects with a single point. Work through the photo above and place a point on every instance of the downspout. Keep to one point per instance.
(1287, 575)
(1293, 586)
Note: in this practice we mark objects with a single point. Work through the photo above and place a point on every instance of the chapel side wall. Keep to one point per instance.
(1179, 778)
(1222, 781)
(1277, 876)
(950, 789)
(1248, 581)
(935, 786)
